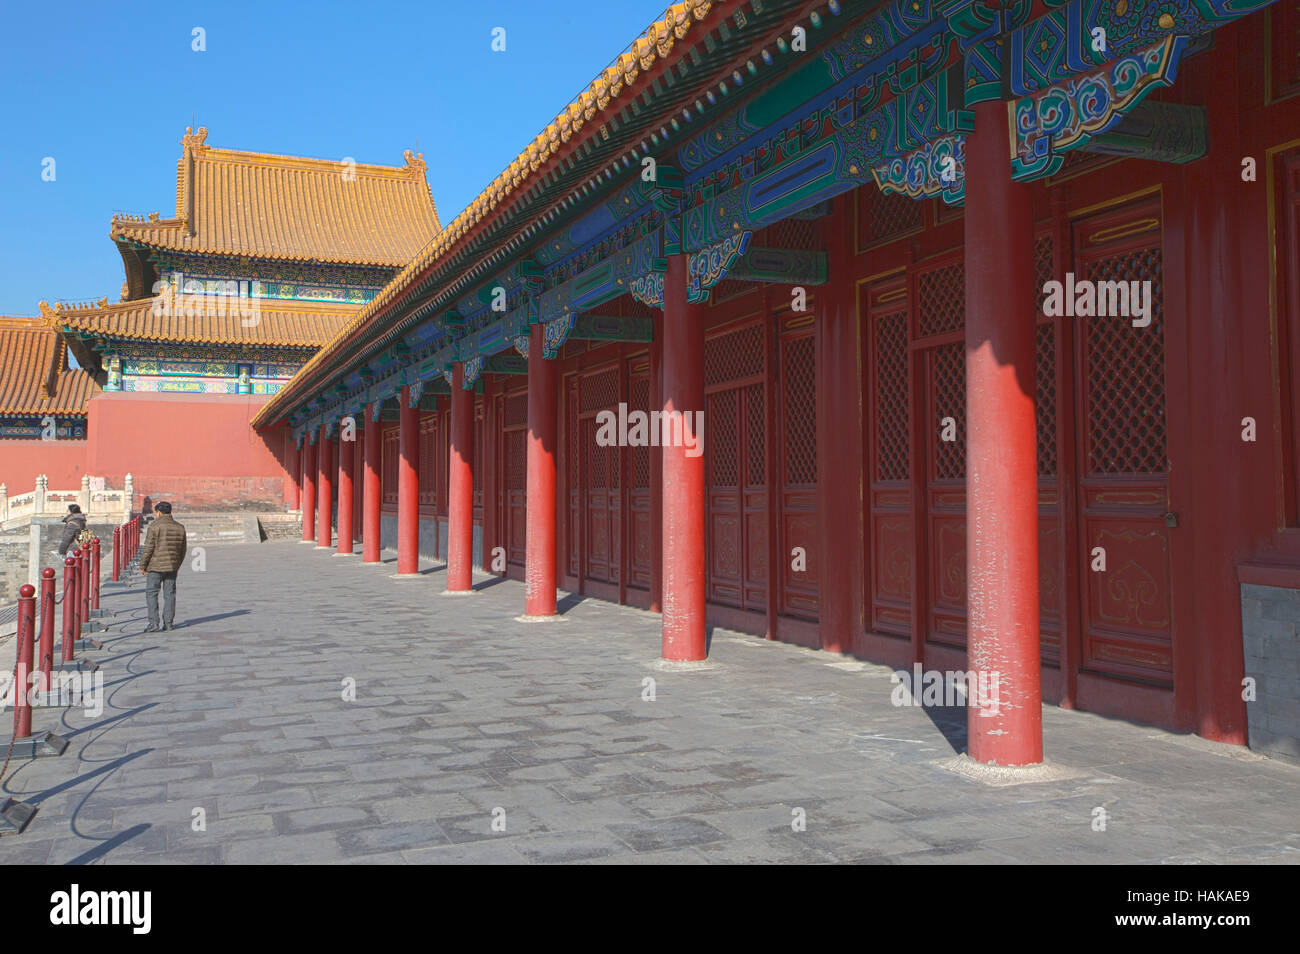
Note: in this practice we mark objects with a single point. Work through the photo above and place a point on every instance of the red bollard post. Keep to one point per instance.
(87, 584)
(94, 573)
(23, 673)
(69, 606)
(82, 589)
(45, 656)
(117, 553)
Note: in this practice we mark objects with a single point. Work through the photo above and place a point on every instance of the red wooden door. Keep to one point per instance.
(388, 474)
(1123, 463)
(797, 441)
(735, 461)
(890, 531)
(573, 455)
(1051, 542)
(601, 497)
(940, 295)
(514, 475)
(638, 496)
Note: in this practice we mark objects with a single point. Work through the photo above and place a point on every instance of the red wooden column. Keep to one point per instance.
(346, 466)
(539, 545)
(293, 464)
(460, 486)
(1001, 451)
(371, 491)
(683, 476)
(408, 486)
(324, 488)
(308, 489)
(358, 480)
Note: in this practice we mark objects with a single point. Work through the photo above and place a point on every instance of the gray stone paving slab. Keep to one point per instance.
(461, 710)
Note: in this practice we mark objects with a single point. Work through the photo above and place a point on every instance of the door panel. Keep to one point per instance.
(1124, 480)
(734, 472)
(639, 528)
(797, 522)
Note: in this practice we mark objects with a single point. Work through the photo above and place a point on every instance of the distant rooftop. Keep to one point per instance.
(34, 373)
(289, 208)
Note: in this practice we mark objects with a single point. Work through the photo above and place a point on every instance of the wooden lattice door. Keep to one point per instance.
(1123, 462)
(890, 531)
(797, 525)
(640, 530)
(735, 439)
(601, 492)
(940, 294)
(514, 475)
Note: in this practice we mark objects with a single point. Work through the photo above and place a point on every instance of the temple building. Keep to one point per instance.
(40, 395)
(265, 260)
(843, 231)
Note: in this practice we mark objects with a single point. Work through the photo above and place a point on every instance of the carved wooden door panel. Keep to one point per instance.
(735, 438)
(1123, 462)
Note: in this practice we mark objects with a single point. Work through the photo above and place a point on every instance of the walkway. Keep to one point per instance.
(465, 716)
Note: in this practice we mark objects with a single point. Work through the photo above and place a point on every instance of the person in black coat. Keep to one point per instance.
(73, 524)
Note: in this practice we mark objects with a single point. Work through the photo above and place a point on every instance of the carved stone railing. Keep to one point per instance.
(96, 500)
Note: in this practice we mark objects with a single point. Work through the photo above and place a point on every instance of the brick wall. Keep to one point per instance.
(1270, 616)
(210, 494)
(13, 564)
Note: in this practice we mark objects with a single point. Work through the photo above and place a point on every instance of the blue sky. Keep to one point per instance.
(108, 89)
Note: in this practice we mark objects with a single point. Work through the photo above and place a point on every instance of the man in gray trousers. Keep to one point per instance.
(161, 557)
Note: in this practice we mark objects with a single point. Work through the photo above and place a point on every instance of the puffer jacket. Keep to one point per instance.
(164, 546)
(73, 524)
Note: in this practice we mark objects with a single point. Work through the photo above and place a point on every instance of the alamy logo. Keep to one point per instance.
(651, 429)
(1089, 299)
(102, 907)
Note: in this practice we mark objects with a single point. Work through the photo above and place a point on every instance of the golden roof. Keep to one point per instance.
(34, 373)
(289, 324)
(291, 209)
(612, 83)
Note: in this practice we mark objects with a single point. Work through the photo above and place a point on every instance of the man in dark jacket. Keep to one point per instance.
(73, 524)
(161, 557)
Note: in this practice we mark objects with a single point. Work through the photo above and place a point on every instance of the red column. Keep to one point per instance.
(683, 476)
(308, 489)
(408, 487)
(346, 454)
(371, 491)
(539, 542)
(460, 486)
(358, 484)
(1001, 451)
(293, 464)
(324, 487)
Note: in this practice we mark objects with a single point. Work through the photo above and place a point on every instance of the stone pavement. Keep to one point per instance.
(464, 715)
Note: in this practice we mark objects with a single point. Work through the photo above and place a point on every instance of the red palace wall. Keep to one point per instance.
(63, 462)
(197, 451)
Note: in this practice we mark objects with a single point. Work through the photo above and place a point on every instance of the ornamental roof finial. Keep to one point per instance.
(194, 140)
